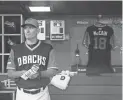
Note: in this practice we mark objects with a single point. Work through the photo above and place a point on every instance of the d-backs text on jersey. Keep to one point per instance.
(31, 59)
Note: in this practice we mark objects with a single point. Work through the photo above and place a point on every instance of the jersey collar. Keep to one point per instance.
(33, 47)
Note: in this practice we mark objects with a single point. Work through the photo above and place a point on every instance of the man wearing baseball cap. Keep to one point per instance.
(32, 84)
(31, 21)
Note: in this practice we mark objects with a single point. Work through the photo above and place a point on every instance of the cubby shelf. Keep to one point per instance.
(10, 32)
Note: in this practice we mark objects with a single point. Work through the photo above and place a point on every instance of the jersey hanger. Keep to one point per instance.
(99, 22)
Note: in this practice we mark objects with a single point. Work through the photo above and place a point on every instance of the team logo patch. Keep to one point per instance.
(9, 62)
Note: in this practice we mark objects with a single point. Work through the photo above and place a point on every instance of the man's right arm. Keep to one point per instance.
(12, 73)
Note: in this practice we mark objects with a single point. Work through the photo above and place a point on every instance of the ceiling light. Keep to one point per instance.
(39, 9)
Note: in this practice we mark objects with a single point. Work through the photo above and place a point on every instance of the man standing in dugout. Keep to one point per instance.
(35, 56)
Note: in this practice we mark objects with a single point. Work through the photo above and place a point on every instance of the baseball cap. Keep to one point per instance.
(31, 21)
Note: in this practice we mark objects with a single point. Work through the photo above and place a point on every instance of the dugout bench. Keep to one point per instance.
(81, 87)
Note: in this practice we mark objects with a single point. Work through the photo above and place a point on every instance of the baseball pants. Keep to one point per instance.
(42, 95)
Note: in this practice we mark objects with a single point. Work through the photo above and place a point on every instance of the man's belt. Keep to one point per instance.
(33, 92)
